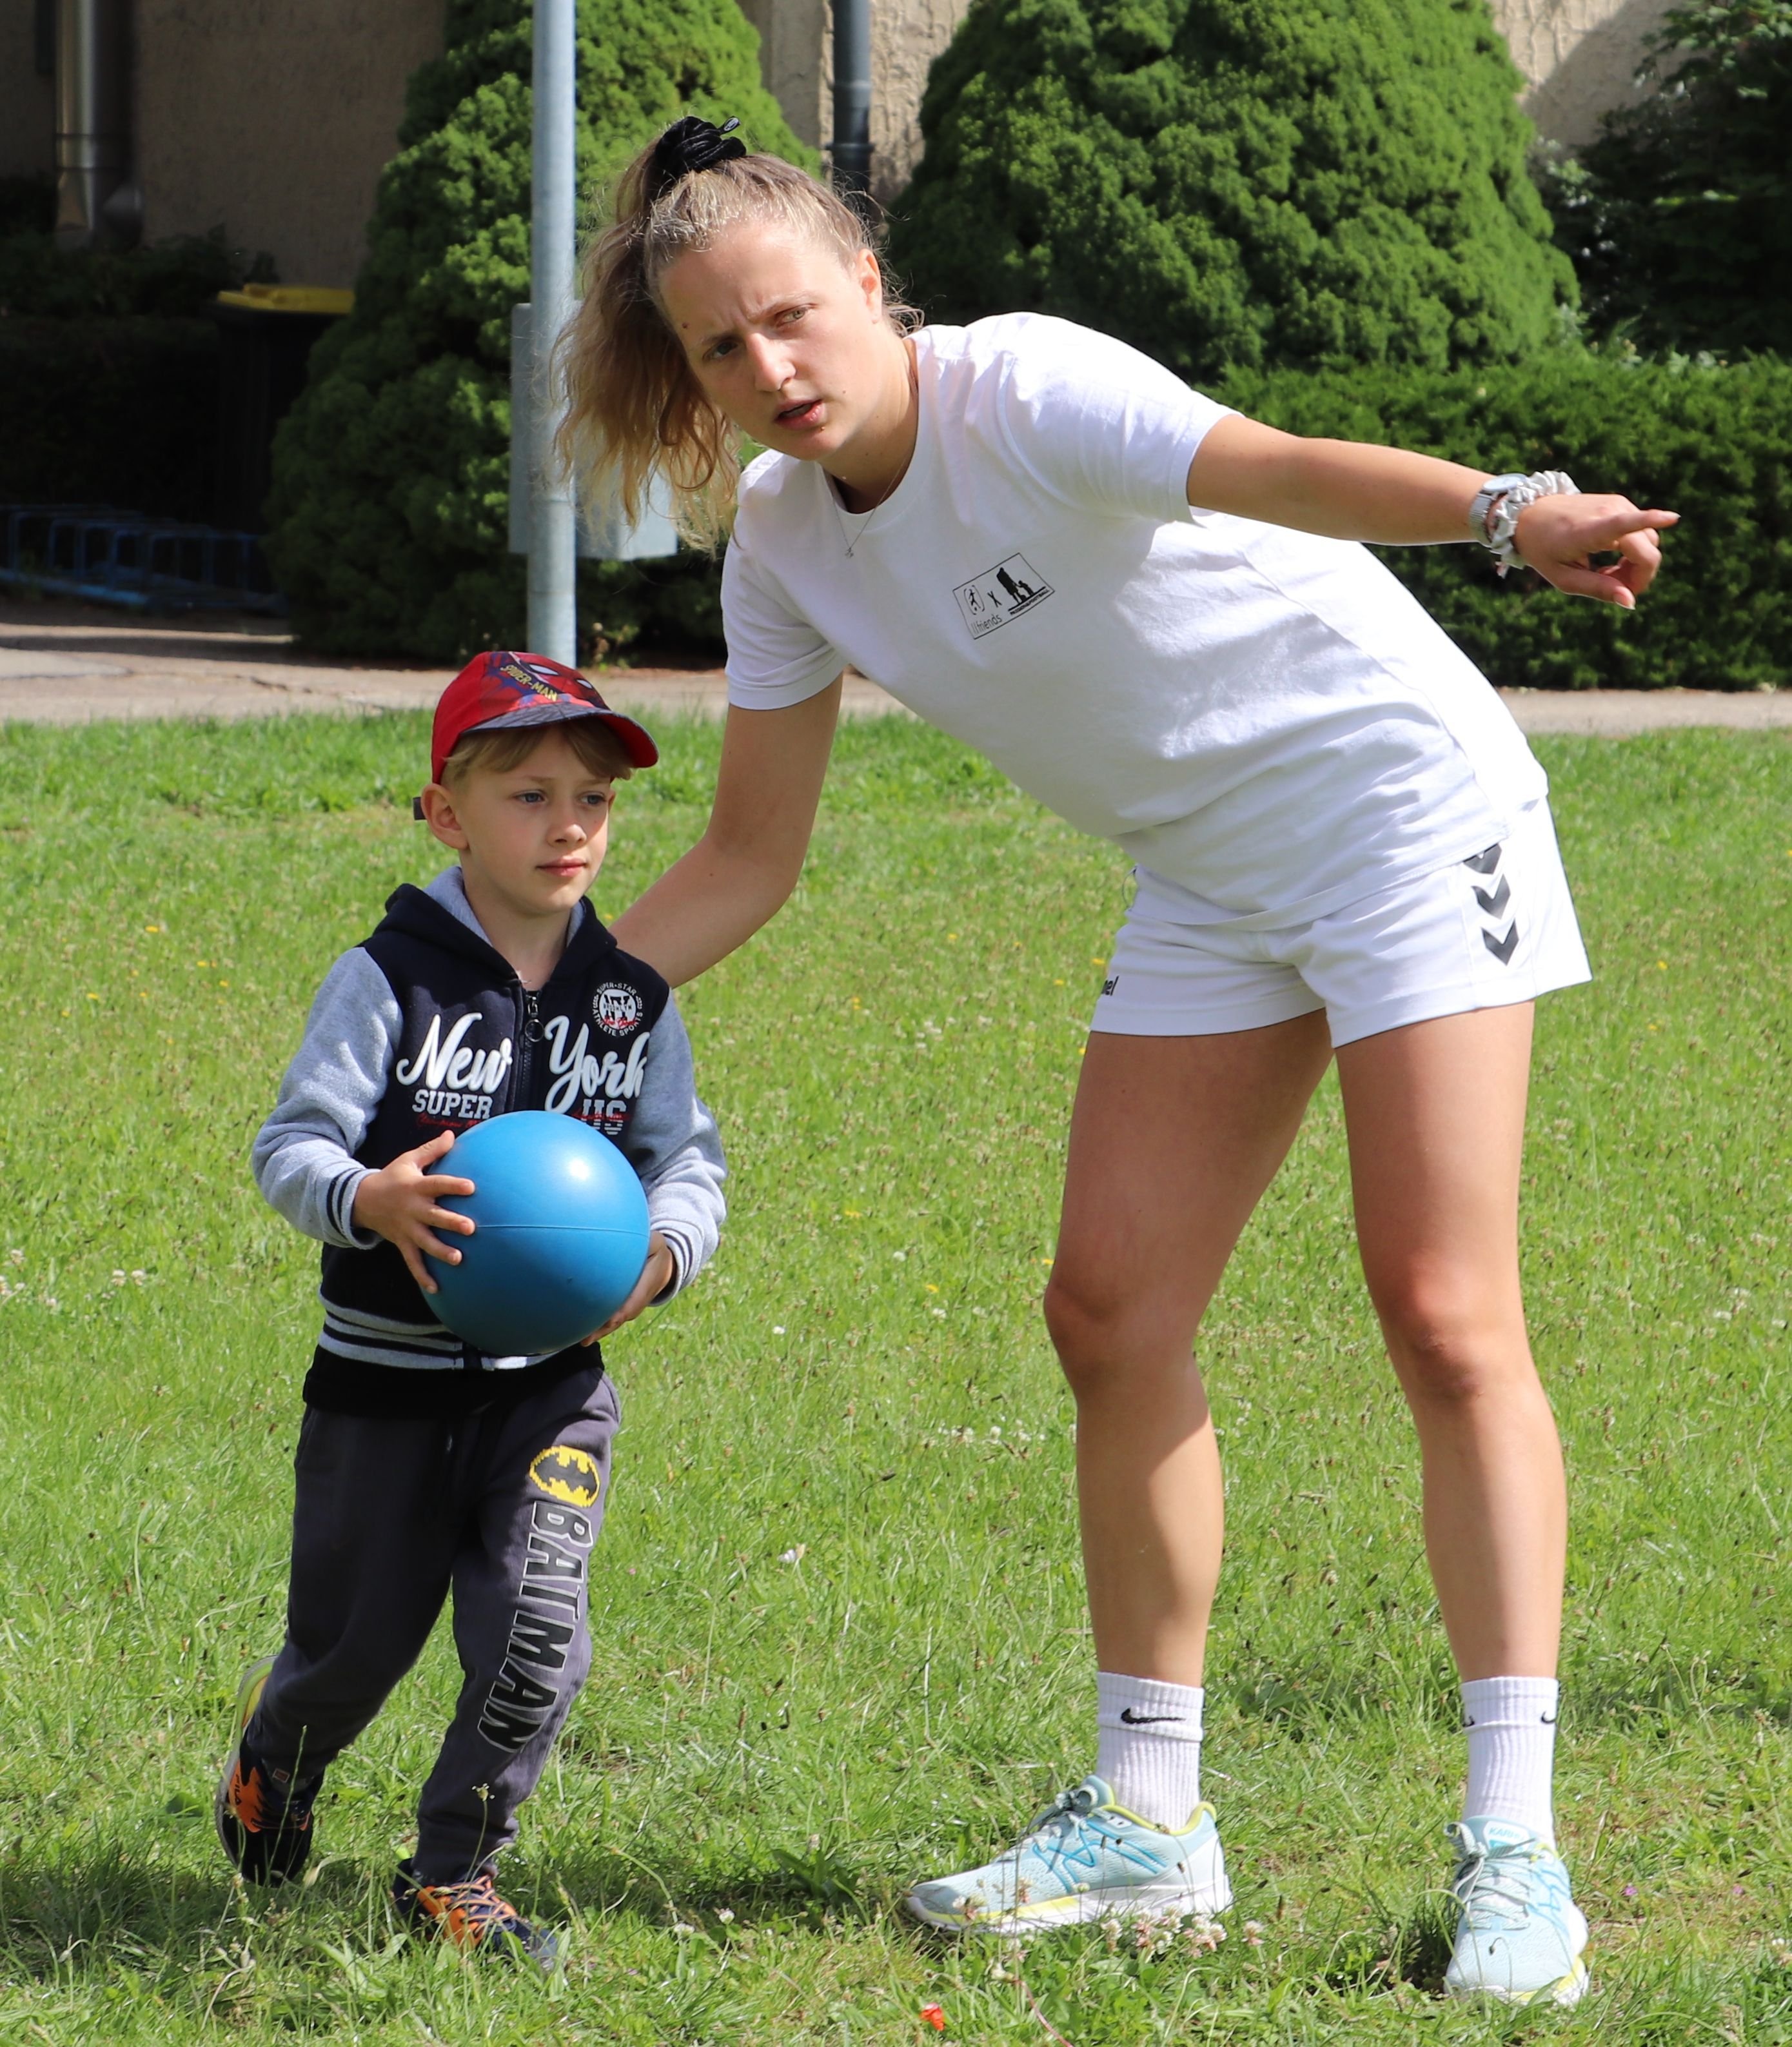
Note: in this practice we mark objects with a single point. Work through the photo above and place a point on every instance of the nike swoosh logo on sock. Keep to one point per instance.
(1549, 1719)
(1148, 1719)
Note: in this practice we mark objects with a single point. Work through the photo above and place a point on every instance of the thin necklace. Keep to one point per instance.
(853, 539)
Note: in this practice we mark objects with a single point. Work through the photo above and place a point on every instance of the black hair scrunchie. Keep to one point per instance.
(693, 144)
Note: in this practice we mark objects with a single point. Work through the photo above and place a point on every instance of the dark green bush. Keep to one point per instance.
(108, 368)
(1237, 183)
(109, 412)
(27, 205)
(388, 508)
(172, 279)
(1679, 217)
(1711, 443)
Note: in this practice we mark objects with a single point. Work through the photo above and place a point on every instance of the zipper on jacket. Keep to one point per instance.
(528, 1038)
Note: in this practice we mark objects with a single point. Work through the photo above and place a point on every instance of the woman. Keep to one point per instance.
(1149, 612)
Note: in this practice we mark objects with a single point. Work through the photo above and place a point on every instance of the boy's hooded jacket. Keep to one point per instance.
(425, 1027)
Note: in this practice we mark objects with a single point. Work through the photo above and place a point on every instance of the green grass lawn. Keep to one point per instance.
(840, 1640)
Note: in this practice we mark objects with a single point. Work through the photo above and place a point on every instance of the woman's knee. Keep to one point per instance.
(1452, 1341)
(1102, 1333)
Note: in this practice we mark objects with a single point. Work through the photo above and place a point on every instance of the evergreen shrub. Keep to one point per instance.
(390, 473)
(1237, 184)
(1679, 216)
(1711, 442)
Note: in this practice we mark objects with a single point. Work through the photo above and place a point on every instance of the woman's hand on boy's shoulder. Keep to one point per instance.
(656, 1275)
(1558, 537)
(401, 1202)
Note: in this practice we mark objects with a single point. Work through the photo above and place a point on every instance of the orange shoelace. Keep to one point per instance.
(466, 1914)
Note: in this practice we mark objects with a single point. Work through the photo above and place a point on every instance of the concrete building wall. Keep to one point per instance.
(274, 121)
(796, 61)
(1579, 56)
(27, 101)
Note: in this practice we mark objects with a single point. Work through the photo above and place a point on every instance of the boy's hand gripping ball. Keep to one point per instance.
(560, 1234)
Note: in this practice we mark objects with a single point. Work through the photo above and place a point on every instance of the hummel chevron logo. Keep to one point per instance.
(1492, 902)
(1146, 1719)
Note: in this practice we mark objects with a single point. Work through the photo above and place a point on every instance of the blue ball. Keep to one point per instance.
(560, 1235)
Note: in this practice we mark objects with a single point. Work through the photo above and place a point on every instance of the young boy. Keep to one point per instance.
(423, 1465)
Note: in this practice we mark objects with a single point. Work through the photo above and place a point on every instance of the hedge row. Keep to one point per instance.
(110, 411)
(1712, 443)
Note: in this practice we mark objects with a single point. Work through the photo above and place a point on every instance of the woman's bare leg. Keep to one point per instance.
(1172, 1143)
(1436, 1118)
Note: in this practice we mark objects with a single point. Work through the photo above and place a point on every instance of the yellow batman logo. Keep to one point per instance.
(569, 1474)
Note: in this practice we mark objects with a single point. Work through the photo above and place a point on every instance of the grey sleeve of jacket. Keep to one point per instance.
(673, 1143)
(304, 1157)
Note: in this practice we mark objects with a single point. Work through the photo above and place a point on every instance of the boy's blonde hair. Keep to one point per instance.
(600, 752)
(633, 406)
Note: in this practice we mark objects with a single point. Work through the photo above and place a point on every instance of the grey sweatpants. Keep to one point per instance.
(502, 1506)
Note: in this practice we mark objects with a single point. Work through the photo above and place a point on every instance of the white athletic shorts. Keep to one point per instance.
(1495, 929)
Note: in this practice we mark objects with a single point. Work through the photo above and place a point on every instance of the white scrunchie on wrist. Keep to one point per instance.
(1502, 528)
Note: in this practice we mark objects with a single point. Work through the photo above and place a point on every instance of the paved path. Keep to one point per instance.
(61, 664)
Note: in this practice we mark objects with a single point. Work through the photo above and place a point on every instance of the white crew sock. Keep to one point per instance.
(1510, 1725)
(1148, 1745)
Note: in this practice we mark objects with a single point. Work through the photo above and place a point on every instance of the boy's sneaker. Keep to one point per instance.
(1084, 1858)
(1521, 1935)
(470, 1915)
(264, 1818)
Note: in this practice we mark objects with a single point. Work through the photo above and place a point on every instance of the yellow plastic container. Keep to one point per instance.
(290, 299)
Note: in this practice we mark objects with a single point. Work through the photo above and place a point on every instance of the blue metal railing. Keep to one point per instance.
(107, 556)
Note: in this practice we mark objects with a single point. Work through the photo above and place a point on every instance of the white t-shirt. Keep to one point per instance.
(1265, 717)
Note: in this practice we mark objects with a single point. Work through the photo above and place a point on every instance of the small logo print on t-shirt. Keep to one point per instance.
(1000, 593)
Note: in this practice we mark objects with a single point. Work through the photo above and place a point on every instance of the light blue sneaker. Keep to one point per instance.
(1084, 1858)
(1521, 1935)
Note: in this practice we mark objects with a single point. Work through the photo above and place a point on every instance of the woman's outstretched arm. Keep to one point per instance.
(740, 873)
(1349, 490)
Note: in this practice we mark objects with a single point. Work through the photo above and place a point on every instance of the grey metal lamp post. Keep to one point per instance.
(553, 518)
(545, 522)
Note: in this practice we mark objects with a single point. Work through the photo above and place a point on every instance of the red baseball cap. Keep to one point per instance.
(498, 691)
